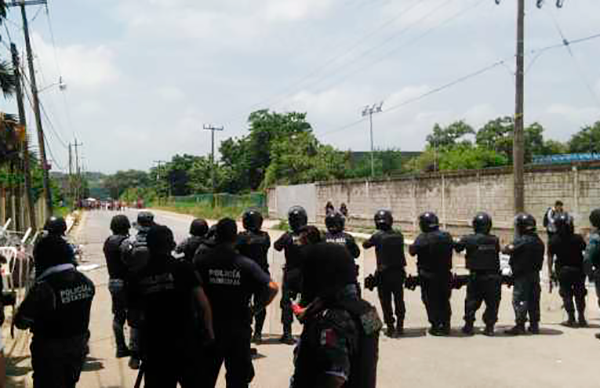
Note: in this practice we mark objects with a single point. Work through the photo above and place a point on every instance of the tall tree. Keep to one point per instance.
(449, 136)
(586, 140)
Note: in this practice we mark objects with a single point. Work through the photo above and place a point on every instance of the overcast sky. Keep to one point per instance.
(143, 76)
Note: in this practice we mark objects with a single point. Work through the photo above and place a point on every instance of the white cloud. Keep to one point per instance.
(576, 115)
(81, 66)
(294, 10)
(171, 94)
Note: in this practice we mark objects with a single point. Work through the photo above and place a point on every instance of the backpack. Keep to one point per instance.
(135, 253)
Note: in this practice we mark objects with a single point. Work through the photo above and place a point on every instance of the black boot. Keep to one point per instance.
(390, 331)
(570, 322)
(400, 329)
(489, 330)
(287, 338)
(519, 329)
(468, 328)
(534, 328)
(582, 321)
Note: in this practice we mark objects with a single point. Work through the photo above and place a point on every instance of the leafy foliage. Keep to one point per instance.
(443, 137)
(586, 140)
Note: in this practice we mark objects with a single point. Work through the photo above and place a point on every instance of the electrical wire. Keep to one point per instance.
(333, 59)
(578, 68)
(456, 82)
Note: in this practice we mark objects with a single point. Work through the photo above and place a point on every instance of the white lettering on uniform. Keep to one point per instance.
(224, 277)
(76, 294)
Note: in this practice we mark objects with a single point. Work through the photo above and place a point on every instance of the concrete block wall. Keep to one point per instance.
(457, 196)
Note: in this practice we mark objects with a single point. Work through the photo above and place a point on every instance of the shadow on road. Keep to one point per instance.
(14, 370)
(93, 365)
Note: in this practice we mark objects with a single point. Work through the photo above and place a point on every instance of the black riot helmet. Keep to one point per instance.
(198, 227)
(56, 226)
(429, 222)
(525, 223)
(564, 224)
(252, 220)
(383, 219)
(120, 224)
(297, 218)
(482, 223)
(160, 240)
(335, 222)
(595, 218)
(145, 219)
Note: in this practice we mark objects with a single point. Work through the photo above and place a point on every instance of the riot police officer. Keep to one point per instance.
(335, 223)
(592, 253)
(339, 344)
(291, 244)
(391, 263)
(198, 231)
(231, 281)
(56, 227)
(254, 243)
(526, 261)
(568, 248)
(117, 273)
(176, 311)
(433, 248)
(485, 280)
(135, 256)
(57, 311)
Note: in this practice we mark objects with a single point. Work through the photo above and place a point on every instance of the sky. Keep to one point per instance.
(143, 76)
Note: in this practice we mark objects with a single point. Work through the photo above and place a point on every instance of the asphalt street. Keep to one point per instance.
(559, 357)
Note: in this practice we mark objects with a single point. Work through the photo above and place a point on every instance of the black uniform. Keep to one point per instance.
(344, 239)
(117, 272)
(57, 311)
(434, 262)
(255, 246)
(171, 340)
(340, 338)
(485, 282)
(568, 250)
(230, 282)
(189, 246)
(526, 261)
(290, 243)
(391, 263)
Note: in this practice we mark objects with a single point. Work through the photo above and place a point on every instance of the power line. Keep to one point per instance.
(457, 81)
(576, 63)
(421, 36)
(367, 52)
(284, 91)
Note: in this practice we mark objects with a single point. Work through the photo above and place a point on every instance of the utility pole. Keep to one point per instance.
(77, 172)
(212, 129)
(159, 163)
(368, 111)
(23, 123)
(71, 196)
(36, 102)
(518, 135)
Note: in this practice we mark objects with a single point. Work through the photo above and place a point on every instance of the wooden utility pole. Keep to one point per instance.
(518, 136)
(212, 129)
(77, 172)
(23, 123)
(36, 102)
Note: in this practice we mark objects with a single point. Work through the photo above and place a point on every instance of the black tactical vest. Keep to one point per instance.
(255, 246)
(390, 250)
(72, 293)
(483, 252)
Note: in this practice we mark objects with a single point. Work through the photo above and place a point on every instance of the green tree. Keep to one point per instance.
(470, 158)
(117, 183)
(443, 137)
(266, 129)
(586, 140)
(300, 158)
(497, 135)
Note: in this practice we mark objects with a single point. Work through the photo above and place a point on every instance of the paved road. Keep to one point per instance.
(560, 357)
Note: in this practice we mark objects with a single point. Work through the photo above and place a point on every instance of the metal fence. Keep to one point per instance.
(253, 200)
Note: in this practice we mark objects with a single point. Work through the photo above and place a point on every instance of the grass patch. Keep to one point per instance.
(61, 211)
(282, 225)
(206, 211)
